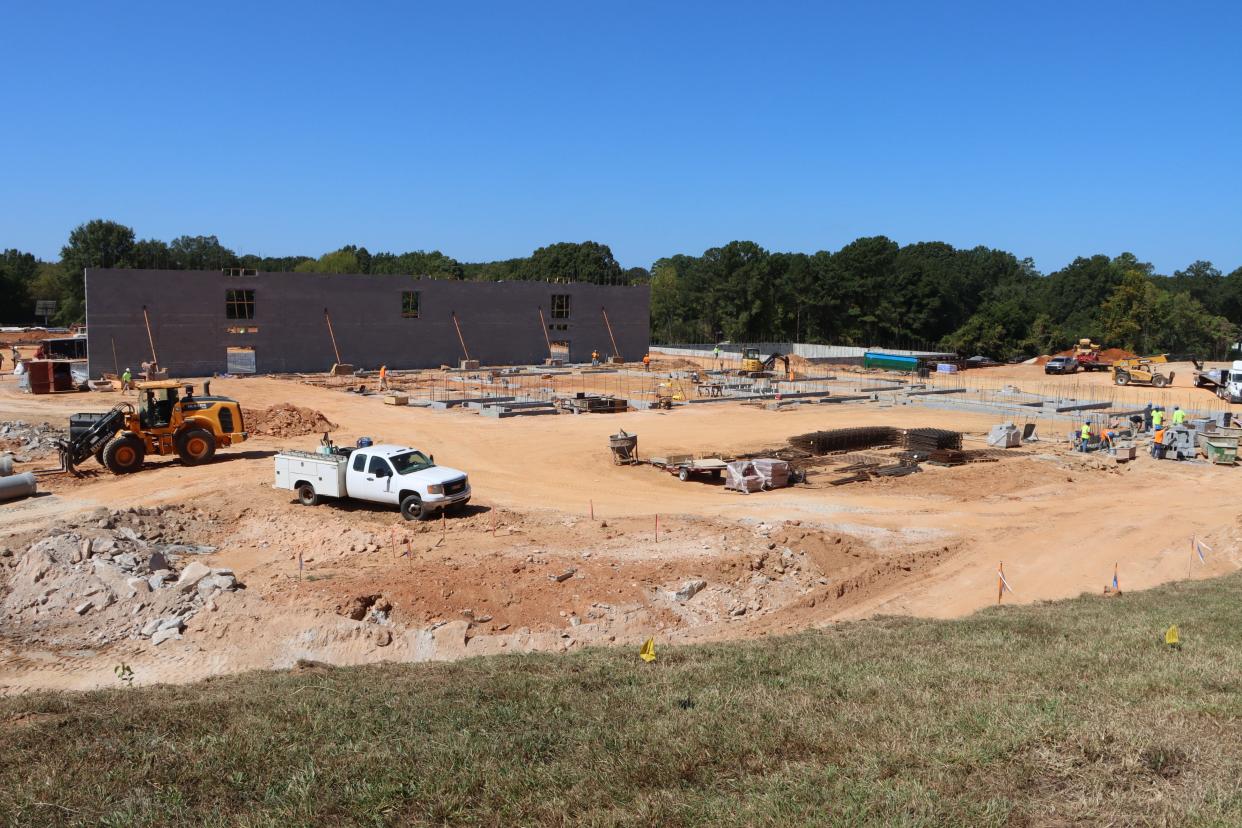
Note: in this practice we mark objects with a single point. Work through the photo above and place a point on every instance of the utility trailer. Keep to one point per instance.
(686, 466)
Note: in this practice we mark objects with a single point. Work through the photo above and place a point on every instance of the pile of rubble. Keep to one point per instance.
(113, 575)
(28, 441)
(286, 420)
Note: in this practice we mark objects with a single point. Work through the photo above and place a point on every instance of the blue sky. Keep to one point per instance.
(486, 130)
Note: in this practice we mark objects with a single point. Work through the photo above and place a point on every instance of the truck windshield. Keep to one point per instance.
(411, 461)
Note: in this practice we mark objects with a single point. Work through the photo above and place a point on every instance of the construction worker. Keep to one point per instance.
(1157, 444)
(1084, 436)
(646, 362)
(383, 378)
(127, 381)
(1147, 417)
(1157, 417)
(594, 357)
(716, 356)
(1179, 416)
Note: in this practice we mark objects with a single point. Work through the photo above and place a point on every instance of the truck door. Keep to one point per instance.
(375, 483)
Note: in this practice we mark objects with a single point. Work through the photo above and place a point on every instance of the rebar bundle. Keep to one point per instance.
(927, 440)
(846, 439)
(919, 440)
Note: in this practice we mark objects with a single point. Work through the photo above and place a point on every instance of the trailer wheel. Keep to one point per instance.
(307, 495)
(1160, 380)
(124, 454)
(196, 446)
(683, 475)
(412, 508)
(1122, 378)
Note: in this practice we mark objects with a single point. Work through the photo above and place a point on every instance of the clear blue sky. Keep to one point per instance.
(1048, 129)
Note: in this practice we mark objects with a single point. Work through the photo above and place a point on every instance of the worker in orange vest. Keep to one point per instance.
(646, 362)
(595, 357)
(383, 378)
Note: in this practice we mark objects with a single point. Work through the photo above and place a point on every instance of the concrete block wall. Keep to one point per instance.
(499, 320)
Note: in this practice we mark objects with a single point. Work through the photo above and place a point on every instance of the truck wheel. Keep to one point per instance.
(1122, 378)
(196, 446)
(683, 475)
(307, 496)
(412, 509)
(124, 454)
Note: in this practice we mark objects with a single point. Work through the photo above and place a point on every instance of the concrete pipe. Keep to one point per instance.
(17, 485)
(6, 465)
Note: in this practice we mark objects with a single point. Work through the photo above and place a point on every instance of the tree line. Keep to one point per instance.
(871, 292)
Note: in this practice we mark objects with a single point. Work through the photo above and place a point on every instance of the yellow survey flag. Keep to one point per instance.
(1170, 636)
(647, 653)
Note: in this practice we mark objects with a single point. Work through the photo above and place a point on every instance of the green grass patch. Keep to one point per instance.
(1072, 713)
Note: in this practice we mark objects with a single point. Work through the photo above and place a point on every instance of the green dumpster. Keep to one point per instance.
(1221, 450)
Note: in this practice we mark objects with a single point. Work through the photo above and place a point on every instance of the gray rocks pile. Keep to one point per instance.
(116, 574)
(27, 441)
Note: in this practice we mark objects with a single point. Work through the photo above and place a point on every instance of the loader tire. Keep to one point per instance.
(1122, 378)
(124, 455)
(196, 446)
(1160, 380)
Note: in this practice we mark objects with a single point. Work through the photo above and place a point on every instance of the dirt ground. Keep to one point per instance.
(560, 548)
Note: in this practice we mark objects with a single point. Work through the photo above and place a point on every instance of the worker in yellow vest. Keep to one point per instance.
(1084, 436)
(1157, 417)
(1179, 416)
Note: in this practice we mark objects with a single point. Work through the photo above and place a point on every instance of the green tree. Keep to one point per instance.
(201, 253)
(17, 273)
(573, 262)
(1128, 316)
(97, 243)
(153, 254)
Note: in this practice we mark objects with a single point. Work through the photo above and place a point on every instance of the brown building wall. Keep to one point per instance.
(499, 320)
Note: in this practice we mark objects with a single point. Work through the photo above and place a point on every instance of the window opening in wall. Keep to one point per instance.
(242, 329)
(560, 349)
(560, 306)
(239, 304)
(558, 327)
(239, 271)
(409, 304)
(240, 360)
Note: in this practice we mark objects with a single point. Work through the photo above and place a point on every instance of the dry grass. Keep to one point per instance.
(1072, 713)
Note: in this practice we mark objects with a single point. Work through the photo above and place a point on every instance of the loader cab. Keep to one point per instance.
(158, 402)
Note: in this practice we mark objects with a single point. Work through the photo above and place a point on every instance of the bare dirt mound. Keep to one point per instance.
(286, 420)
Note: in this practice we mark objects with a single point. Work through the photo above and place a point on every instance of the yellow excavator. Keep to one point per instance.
(1141, 371)
(753, 366)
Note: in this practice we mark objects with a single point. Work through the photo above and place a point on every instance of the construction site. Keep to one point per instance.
(684, 494)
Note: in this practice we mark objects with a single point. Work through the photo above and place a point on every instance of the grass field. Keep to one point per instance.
(1060, 714)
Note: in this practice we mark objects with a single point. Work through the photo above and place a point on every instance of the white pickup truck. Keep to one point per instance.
(398, 475)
